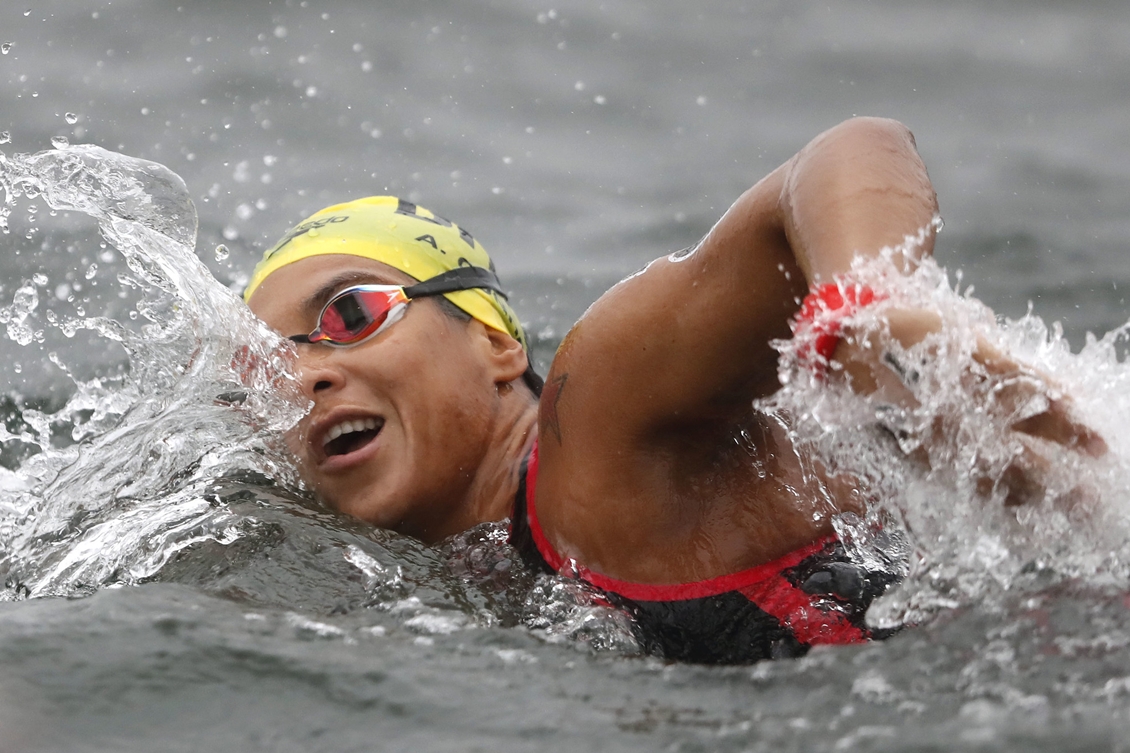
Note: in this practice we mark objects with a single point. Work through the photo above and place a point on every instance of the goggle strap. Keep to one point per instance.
(299, 338)
(460, 278)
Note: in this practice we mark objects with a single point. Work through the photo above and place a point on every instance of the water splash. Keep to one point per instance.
(559, 608)
(170, 468)
(172, 471)
(115, 481)
(25, 301)
(938, 473)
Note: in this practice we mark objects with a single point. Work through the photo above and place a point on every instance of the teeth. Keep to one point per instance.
(347, 427)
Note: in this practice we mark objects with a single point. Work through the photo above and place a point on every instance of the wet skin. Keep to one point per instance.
(640, 476)
(452, 418)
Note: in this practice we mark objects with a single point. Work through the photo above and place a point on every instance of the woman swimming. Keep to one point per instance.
(624, 471)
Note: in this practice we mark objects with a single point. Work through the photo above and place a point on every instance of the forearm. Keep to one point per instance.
(866, 357)
(1023, 398)
(853, 190)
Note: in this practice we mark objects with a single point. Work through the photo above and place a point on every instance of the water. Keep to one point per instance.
(219, 607)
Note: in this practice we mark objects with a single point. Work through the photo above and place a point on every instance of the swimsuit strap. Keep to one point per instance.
(767, 585)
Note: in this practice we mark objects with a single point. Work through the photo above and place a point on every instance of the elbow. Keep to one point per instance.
(861, 135)
(864, 155)
(882, 127)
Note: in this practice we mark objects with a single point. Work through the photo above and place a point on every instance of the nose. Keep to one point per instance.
(319, 374)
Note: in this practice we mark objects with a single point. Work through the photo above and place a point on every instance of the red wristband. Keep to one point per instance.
(822, 312)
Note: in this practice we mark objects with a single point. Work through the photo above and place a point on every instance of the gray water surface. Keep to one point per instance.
(577, 140)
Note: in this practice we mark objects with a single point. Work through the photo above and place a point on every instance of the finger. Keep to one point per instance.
(1025, 478)
(1058, 425)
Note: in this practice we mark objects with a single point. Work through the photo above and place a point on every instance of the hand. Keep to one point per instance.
(1019, 389)
(1033, 408)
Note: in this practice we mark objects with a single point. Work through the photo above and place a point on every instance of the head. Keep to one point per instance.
(403, 420)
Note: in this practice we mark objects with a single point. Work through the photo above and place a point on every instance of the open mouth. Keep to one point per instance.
(350, 436)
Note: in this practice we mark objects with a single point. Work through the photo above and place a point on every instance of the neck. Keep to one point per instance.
(491, 494)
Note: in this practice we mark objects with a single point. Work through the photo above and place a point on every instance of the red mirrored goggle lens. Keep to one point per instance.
(357, 313)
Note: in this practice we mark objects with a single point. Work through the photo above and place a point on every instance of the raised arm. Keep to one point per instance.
(688, 339)
(851, 191)
(651, 387)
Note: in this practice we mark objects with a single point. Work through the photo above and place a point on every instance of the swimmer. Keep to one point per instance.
(623, 470)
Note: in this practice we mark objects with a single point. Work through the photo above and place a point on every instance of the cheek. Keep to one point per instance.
(438, 356)
(457, 435)
(456, 395)
(295, 440)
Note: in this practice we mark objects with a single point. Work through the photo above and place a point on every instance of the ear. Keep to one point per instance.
(507, 358)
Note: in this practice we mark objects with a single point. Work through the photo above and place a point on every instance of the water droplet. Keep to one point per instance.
(91, 271)
(59, 142)
(5, 137)
(5, 47)
(39, 278)
(27, 12)
(25, 301)
(222, 252)
(71, 118)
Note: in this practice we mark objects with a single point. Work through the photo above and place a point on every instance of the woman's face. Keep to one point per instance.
(413, 405)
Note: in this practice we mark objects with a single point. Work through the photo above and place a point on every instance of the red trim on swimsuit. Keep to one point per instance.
(765, 585)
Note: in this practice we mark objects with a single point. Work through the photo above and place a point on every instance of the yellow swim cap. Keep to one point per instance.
(402, 235)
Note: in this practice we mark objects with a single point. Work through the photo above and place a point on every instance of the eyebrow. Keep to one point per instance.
(315, 301)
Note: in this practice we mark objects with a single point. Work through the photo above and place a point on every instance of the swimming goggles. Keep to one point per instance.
(360, 312)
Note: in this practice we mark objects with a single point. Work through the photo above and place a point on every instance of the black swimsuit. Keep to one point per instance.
(813, 595)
